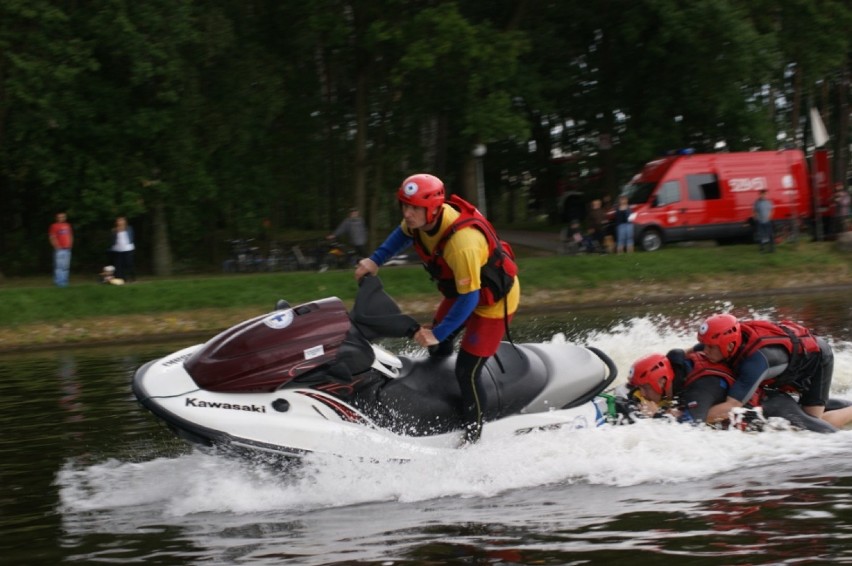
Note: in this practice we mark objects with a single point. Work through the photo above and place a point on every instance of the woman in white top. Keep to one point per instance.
(121, 251)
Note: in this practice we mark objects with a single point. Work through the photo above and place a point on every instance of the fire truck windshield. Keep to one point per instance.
(638, 193)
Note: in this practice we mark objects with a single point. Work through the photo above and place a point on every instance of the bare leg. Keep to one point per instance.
(838, 417)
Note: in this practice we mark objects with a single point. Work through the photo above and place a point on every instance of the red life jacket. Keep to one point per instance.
(800, 344)
(498, 273)
(702, 367)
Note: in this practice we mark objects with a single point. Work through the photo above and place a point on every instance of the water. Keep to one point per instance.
(89, 477)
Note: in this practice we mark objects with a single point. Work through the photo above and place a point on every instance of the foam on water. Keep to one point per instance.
(649, 452)
(627, 341)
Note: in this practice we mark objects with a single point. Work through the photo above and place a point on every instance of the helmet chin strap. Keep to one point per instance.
(436, 217)
(730, 350)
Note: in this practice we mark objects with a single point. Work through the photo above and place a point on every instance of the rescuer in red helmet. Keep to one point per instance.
(682, 385)
(475, 272)
(784, 357)
(686, 386)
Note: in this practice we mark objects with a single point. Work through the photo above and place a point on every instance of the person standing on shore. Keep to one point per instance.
(61, 237)
(122, 249)
(762, 210)
(623, 227)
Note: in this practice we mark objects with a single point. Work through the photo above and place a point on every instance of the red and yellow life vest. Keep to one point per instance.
(498, 273)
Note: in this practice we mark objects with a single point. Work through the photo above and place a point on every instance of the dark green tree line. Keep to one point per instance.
(203, 121)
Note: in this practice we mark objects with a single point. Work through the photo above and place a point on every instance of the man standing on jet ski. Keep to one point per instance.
(475, 272)
(780, 357)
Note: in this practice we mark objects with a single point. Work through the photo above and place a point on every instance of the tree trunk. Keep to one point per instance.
(360, 165)
(362, 17)
(162, 253)
(605, 142)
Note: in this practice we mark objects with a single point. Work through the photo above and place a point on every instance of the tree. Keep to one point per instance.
(41, 65)
(225, 119)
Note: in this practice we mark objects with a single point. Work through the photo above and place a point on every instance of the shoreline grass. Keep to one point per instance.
(37, 312)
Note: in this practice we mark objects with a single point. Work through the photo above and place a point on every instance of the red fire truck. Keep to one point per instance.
(690, 196)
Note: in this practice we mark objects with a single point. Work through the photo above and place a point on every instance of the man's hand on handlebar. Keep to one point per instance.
(425, 338)
(365, 267)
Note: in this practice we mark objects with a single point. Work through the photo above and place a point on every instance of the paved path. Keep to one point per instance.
(548, 241)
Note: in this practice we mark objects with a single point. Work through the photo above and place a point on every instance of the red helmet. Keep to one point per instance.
(648, 370)
(722, 330)
(422, 190)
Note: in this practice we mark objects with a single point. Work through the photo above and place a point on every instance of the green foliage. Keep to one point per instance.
(231, 117)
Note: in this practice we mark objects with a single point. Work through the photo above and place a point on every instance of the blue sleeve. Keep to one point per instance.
(393, 244)
(751, 372)
(457, 315)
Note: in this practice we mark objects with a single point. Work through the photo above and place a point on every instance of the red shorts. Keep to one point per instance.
(482, 336)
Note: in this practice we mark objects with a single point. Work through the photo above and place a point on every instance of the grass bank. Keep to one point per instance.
(35, 314)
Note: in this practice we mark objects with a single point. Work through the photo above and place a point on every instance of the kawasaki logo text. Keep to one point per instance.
(193, 402)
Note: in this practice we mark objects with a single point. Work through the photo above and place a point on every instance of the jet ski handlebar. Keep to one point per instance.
(377, 315)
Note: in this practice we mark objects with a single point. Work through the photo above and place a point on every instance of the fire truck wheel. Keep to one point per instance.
(651, 240)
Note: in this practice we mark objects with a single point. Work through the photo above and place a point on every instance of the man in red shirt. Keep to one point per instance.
(62, 239)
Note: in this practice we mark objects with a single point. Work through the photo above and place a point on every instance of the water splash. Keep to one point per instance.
(648, 453)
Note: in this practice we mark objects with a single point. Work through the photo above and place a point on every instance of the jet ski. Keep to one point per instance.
(315, 378)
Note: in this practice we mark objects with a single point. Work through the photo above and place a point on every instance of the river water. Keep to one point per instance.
(87, 476)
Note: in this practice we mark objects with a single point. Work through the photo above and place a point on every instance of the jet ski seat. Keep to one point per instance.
(425, 398)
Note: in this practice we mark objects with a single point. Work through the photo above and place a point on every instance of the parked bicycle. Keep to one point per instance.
(245, 257)
(281, 258)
